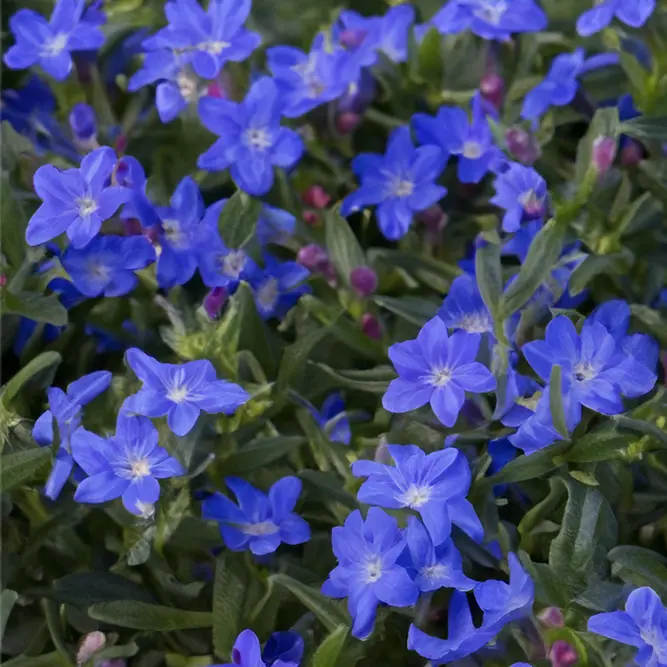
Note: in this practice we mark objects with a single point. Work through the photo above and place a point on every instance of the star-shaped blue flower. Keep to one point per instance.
(634, 13)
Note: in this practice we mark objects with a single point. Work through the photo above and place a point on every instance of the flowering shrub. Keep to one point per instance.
(334, 336)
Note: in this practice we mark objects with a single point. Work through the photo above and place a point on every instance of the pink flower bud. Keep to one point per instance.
(315, 197)
(371, 326)
(433, 217)
(603, 154)
(522, 145)
(215, 89)
(632, 153)
(552, 617)
(214, 301)
(347, 122)
(89, 645)
(121, 143)
(562, 654)
(115, 662)
(492, 88)
(364, 280)
(132, 227)
(352, 39)
(311, 218)
(3, 280)
(311, 256)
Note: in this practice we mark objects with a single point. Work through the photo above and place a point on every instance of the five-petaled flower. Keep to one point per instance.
(631, 12)
(522, 192)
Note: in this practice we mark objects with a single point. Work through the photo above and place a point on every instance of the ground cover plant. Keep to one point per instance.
(334, 335)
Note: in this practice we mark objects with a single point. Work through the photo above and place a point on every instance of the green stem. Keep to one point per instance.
(383, 119)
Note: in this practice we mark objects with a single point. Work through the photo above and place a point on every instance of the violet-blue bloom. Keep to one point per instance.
(180, 391)
(594, 364)
(283, 647)
(490, 19)
(634, 13)
(275, 225)
(252, 141)
(83, 122)
(258, 521)
(400, 182)
(278, 286)
(50, 44)
(434, 485)
(76, 201)
(643, 625)
(464, 308)
(107, 264)
(367, 572)
(66, 409)
(247, 652)
(470, 140)
(434, 567)
(333, 419)
(522, 192)
(126, 465)
(438, 369)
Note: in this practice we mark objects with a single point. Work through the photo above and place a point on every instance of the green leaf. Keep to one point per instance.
(410, 308)
(430, 57)
(143, 616)
(592, 266)
(556, 402)
(542, 256)
(7, 601)
(642, 567)
(601, 444)
(329, 650)
(54, 659)
(328, 612)
(171, 515)
(36, 307)
(229, 593)
(328, 487)
(259, 453)
(373, 381)
(116, 651)
(489, 275)
(20, 467)
(532, 466)
(431, 272)
(88, 588)
(646, 128)
(238, 219)
(342, 245)
(539, 512)
(641, 427)
(42, 368)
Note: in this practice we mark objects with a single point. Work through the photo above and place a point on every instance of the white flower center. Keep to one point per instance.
(584, 371)
(140, 468)
(491, 11)
(56, 45)
(178, 394)
(402, 187)
(188, 86)
(173, 233)
(233, 263)
(267, 294)
(532, 204)
(440, 377)
(87, 206)
(146, 510)
(257, 138)
(434, 572)
(261, 528)
(416, 496)
(99, 271)
(215, 47)
(373, 570)
(475, 323)
(472, 150)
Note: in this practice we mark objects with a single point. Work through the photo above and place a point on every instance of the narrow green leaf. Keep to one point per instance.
(410, 308)
(48, 660)
(7, 601)
(259, 453)
(327, 611)
(489, 275)
(238, 219)
(342, 245)
(556, 402)
(36, 307)
(643, 427)
(592, 266)
(539, 512)
(88, 588)
(143, 616)
(20, 467)
(377, 381)
(43, 365)
(642, 567)
(327, 487)
(601, 444)
(646, 128)
(329, 650)
(229, 593)
(533, 466)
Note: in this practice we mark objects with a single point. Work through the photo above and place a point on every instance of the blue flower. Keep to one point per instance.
(400, 182)
(128, 464)
(76, 201)
(211, 38)
(367, 572)
(394, 32)
(432, 567)
(333, 419)
(49, 44)
(522, 192)
(434, 485)
(471, 141)
(66, 409)
(596, 369)
(643, 625)
(259, 522)
(631, 12)
(307, 80)
(438, 369)
(277, 287)
(83, 122)
(180, 391)
(464, 308)
(490, 19)
(107, 264)
(251, 141)
(283, 647)
(274, 225)
(247, 653)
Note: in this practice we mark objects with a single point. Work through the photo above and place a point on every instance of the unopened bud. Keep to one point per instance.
(522, 145)
(90, 644)
(603, 154)
(3, 280)
(364, 280)
(632, 153)
(311, 256)
(214, 301)
(552, 617)
(316, 197)
(311, 218)
(347, 122)
(492, 88)
(562, 654)
(115, 662)
(121, 143)
(352, 39)
(433, 217)
(216, 89)
(371, 326)
(83, 123)
(132, 227)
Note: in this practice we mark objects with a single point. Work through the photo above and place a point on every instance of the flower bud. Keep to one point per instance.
(311, 218)
(3, 280)
(364, 280)
(562, 654)
(315, 197)
(311, 256)
(434, 218)
(492, 88)
(552, 617)
(522, 145)
(603, 154)
(115, 662)
(83, 123)
(632, 153)
(89, 645)
(215, 89)
(371, 326)
(121, 143)
(132, 227)
(352, 39)
(347, 122)
(214, 301)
